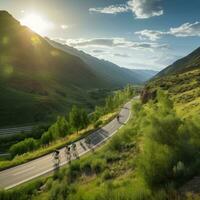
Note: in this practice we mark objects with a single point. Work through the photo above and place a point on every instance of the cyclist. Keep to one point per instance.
(56, 156)
(68, 153)
(118, 116)
(74, 150)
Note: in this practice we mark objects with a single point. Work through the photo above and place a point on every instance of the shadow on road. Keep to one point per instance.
(122, 123)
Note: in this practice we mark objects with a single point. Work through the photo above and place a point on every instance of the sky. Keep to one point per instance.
(136, 34)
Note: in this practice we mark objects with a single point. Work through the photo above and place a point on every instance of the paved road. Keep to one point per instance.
(17, 175)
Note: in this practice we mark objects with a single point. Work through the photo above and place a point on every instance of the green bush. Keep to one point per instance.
(98, 165)
(73, 171)
(170, 144)
(55, 191)
(23, 193)
(97, 123)
(22, 147)
(111, 157)
(116, 143)
(86, 167)
(106, 175)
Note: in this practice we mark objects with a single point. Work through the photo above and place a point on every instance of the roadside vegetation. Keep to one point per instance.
(150, 158)
(67, 129)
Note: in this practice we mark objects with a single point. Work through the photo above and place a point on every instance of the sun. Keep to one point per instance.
(37, 23)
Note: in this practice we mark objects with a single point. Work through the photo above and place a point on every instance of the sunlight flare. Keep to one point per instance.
(37, 24)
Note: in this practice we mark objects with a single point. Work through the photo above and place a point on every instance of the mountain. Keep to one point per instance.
(145, 74)
(182, 82)
(191, 61)
(111, 73)
(38, 81)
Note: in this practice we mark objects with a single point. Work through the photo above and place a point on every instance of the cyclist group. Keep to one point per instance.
(69, 151)
(72, 150)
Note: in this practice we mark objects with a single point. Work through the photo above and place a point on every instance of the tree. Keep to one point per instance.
(84, 118)
(46, 137)
(78, 118)
(62, 126)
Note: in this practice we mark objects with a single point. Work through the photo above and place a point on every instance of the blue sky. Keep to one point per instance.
(148, 34)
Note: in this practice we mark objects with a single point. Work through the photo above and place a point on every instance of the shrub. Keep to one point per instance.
(106, 175)
(111, 157)
(97, 123)
(98, 165)
(86, 167)
(55, 191)
(24, 146)
(116, 143)
(170, 144)
(73, 171)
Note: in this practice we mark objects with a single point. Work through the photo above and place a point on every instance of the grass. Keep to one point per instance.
(57, 144)
(183, 89)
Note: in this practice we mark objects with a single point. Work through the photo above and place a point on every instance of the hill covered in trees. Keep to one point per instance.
(39, 81)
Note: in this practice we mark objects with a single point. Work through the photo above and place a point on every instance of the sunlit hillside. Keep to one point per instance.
(39, 81)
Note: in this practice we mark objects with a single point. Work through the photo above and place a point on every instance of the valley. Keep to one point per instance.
(99, 100)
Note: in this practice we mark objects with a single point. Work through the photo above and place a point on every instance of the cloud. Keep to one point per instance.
(142, 9)
(98, 42)
(111, 9)
(113, 42)
(149, 34)
(98, 51)
(144, 45)
(185, 30)
(122, 55)
(124, 52)
(137, 65)
(92, 42)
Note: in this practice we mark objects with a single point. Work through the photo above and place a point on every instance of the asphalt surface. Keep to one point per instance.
(22, 173)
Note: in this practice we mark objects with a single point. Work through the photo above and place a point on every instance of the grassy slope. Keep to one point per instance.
(184, 89)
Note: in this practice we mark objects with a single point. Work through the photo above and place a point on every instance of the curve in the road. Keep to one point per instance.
(22, 173)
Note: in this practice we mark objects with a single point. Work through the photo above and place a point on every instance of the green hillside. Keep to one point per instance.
(183, 88)
(38, 81)
(182, 81)
(190, 62)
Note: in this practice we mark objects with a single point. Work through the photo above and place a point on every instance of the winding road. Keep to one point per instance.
(14, 176)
